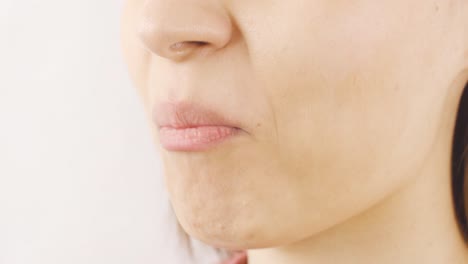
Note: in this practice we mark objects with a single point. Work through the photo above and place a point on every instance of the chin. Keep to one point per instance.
(221, 229)
(231, 231)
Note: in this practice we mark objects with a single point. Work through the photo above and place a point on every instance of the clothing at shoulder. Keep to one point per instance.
(238, 258)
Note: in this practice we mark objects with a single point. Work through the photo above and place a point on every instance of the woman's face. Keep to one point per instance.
(341, 102)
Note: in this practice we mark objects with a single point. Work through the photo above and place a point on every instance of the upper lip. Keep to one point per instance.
(185, 114)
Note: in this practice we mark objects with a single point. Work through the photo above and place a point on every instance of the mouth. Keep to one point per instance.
(186, 126)
(195, 138)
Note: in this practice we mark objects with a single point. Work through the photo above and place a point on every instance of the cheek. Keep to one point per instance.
(334, 79)
(341, 87)
(341, 71)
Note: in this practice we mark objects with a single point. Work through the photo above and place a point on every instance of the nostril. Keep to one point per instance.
(199, 43)
(179, 46)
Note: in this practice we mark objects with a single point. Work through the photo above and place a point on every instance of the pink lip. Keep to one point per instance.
(185, 126)
(195, 138)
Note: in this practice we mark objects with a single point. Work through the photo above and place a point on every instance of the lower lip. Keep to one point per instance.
(195, 138)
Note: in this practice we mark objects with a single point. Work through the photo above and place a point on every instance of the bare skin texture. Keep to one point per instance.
(349, 109)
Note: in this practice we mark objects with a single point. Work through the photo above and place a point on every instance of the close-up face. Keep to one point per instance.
(338, 103)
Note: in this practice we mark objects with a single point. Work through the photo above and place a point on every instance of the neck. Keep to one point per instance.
(415, 224)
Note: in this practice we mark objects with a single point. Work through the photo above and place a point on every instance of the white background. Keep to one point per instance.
(79, 174)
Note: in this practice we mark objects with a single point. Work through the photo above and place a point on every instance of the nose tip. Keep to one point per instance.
(177, 29)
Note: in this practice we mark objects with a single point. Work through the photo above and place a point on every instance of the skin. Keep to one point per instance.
(348, 109)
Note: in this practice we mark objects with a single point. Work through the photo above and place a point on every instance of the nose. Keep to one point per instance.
(176, 29)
